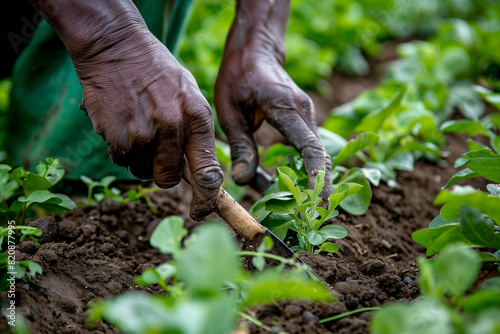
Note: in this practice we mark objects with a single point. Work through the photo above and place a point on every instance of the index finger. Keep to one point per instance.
(206, 174)
(306, 141)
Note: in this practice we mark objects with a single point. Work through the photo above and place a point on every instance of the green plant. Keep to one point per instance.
(36, 190)
(447, 305)
(468, 215)
(343, 152)
(21, 190)
(297, 208)
(207, 288)
(94, 196)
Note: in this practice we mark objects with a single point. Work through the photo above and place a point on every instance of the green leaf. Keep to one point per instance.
(374, 120)
(273, 286)
(436, 239)
(341, 192)
(362, 141)
(27, 268)
(481, 300)
(475, 145)
(265, 245)
(38, 196)
(456, 269)
(277, 152)
(487, 167)
(87, 180)
(258, 210)
(59, 204)
(278, 224)
(168, 235)
(373, 175)
(401, 161)
(464, 174)
(440, 221)
(259, 262)
(329, 247)
(480, 231)
(8, 188)
(326, 215)
(494, 189)
(427, 283)
(209, 260)
(424, 316)
(5, 168)
(139, 313)
(280, 206)
(314, 238)
(107, 180)
(491, 284)
(358, 202)
(332, 232)
(332, 141)
(287, 180)
(318, 185)
(488, 257)
(470, 197)
(469, 127)
(482, 153)
(34, 182)
(154, 275)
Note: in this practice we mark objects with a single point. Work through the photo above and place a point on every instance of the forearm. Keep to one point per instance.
(89, 26)
(260, 23)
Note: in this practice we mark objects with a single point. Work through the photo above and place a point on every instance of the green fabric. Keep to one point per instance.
(44, 116)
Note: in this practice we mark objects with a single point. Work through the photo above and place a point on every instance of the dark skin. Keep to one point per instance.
(150, 111)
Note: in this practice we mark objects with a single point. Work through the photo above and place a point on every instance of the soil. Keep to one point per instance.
(96, 252)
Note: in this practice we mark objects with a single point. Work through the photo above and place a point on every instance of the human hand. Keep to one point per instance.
(252, 86)
(141, 101)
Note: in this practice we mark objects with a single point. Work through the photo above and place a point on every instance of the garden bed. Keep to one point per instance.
(97, 252)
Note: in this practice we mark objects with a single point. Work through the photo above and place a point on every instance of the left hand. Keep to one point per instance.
(251, 87)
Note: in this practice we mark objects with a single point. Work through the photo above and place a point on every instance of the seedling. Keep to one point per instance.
(98, 190)
(36, 188)
(297, 209)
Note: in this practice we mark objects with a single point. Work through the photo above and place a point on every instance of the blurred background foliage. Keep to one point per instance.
(325, 35)
(328, 34)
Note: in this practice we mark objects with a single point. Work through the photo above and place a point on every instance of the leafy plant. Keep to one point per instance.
(446, 306)
(19, 270)
(297, 208)
(468, 215)
(208, 288)
(343, 152)
(35, 187)
(105, 191)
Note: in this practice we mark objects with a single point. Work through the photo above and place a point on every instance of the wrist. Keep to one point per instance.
(259, 25)
(91, 26)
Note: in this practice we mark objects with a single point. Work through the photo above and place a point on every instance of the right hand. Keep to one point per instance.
(149, 110)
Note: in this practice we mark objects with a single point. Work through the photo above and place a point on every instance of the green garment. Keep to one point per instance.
(44, 117)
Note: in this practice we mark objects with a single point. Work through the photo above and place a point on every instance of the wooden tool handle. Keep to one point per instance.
(231, 211)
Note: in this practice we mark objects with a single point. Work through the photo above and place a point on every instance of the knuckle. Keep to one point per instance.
(304, 103)
(200, 120)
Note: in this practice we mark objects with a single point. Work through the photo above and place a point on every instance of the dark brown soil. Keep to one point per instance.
(97, 252)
